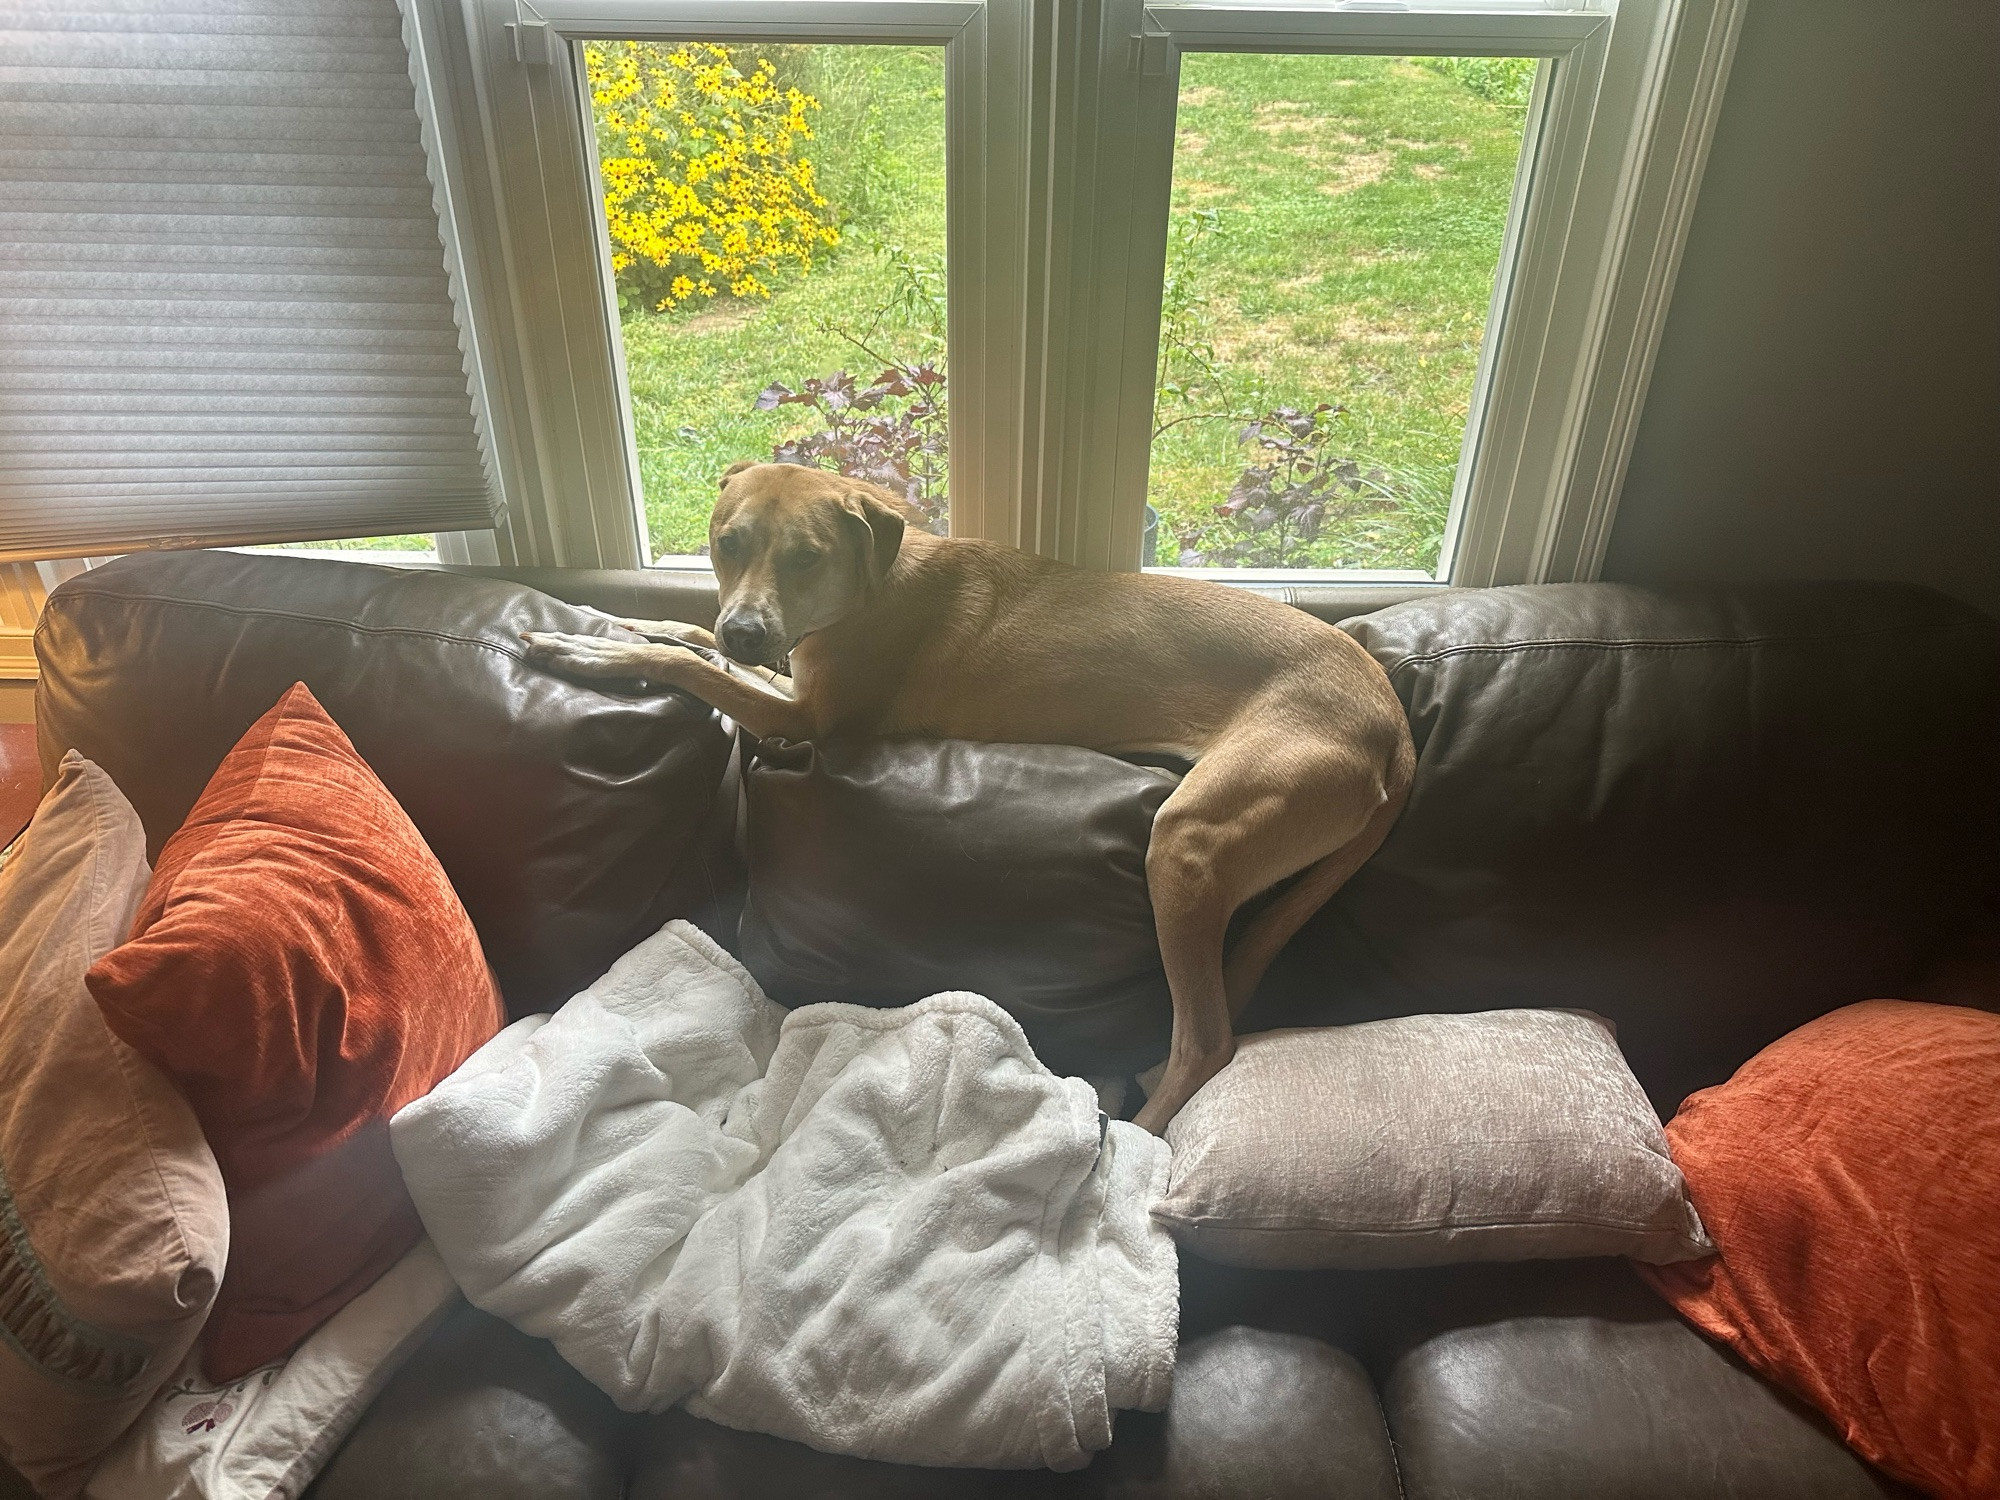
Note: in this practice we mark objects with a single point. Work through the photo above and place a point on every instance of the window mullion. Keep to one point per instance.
(1091, 377)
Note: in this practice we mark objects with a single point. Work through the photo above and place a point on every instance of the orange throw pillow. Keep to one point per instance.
(1850, 1175)
(301, 968)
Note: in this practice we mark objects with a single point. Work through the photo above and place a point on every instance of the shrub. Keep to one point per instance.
(706, 188)
(1191, 385)
(1279, 506)
(1506, 81)
(893, 433)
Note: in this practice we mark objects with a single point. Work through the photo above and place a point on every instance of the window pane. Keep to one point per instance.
(777, 224)
(1336, 229)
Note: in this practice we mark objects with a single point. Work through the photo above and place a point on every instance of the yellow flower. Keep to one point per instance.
(700, 172)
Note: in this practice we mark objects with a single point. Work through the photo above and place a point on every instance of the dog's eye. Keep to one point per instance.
(802, 558)
(728, 545)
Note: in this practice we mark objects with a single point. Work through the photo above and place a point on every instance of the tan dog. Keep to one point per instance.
(1302, 755)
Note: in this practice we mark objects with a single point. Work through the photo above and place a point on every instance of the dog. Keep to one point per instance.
(1301, 754)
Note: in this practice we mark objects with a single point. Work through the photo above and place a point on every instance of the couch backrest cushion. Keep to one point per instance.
(881, 873)
(572, 822)
(1708, 814)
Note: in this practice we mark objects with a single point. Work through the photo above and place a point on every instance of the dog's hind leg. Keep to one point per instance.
(1259, 806)
(1275, 925)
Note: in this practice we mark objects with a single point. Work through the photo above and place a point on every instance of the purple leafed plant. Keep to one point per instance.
(894, 433)
(1280, 504)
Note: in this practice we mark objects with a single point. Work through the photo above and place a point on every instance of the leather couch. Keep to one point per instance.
(1709, 814)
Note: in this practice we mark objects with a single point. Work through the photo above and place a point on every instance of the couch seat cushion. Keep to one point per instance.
(1543, 1381)
(483, 1412)
(1254, 1414)
(1554, 1382)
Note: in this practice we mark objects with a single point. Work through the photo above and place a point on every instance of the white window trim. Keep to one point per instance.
(1049, 154)
(519, 167)
(1615, 141)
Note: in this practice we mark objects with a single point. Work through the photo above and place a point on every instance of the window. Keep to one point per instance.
(1335, 235)
(1287, 292)
(775, 220)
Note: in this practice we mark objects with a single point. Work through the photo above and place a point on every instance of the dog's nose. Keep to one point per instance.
(744, 639)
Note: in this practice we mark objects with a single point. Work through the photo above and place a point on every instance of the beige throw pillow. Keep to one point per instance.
(1513, 1135)
(113, 1223)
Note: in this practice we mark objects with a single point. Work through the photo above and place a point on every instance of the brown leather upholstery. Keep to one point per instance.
(689, 595)
(571, 822)
(1570, 1381)
(1708, 814)
(884, 872)
(634, 594)
(484, 1411)
(1545, 1381)
(1253, 1413)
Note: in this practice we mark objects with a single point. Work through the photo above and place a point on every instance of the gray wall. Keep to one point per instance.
(1827, 398)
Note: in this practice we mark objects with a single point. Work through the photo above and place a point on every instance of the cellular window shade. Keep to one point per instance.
(224, 313)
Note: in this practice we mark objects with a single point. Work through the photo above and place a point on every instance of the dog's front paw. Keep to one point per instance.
(667, 633)
(591, 658)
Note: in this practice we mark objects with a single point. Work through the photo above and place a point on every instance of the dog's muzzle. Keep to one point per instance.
(746, 638)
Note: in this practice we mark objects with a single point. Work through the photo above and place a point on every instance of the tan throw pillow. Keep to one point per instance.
(1513, 1135)
(113, 1223)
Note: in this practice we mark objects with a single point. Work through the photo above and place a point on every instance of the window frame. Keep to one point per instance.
(1612, 149)
(1058, 181)
(505, 79)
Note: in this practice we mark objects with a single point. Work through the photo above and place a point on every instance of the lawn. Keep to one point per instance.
(1337, 225)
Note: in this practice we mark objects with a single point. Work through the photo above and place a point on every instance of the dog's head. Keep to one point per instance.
(794, 549)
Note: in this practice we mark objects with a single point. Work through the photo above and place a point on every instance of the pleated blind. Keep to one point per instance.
(224, 314)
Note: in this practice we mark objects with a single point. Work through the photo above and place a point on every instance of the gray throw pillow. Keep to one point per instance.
(1512, 1135)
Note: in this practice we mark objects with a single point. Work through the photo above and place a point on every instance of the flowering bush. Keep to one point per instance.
(705, 188)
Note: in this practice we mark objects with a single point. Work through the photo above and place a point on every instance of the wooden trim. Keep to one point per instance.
(17, 655)
(24, 586)
(22, 591)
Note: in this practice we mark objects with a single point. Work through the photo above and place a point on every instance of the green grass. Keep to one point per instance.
(425, 542)
(1359, 207)
(1360, 204)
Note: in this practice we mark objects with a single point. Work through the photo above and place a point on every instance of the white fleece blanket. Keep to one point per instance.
(888, 1233)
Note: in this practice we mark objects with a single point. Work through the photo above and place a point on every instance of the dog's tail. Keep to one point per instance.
(1274, 926)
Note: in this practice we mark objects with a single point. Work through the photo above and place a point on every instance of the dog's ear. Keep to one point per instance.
(882, 524)
(734, 469)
